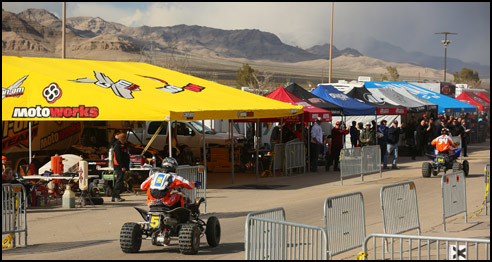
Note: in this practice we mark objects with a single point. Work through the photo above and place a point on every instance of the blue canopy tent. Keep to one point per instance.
(445, 104)
(351, 107)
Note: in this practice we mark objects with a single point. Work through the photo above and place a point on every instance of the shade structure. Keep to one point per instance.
(71, 89)
(390, 95)
(351, 107)
(472, 99)
(305, 95)
(445, 104)
(484, 95)
(311, 112)
(383, 106)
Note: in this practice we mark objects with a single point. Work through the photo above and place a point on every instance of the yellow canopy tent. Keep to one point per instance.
(69, 89)
(52, 89)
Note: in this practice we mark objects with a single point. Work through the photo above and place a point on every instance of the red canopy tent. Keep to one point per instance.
(484, 95)
(472, 99)
(311, 112)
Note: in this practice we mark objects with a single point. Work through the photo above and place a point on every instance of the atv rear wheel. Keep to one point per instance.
(189, 239)
(130, 237)
(213, 231)
(426, 169)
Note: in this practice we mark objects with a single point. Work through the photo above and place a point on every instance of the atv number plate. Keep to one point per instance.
(440, 160)
(155, 221)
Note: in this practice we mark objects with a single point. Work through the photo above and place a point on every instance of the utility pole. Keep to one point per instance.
(445, 42)
(331, 41)
(63, 29)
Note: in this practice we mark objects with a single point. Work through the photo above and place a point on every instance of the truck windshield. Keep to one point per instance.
(198, 126)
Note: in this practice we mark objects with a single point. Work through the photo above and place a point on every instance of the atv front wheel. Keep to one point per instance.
(189, 239)
(426, 169)
(213, 231)
(130, 237)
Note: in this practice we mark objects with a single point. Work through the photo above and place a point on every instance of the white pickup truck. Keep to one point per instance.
(190, 138)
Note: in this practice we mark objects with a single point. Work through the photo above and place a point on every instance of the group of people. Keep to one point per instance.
(416, 135)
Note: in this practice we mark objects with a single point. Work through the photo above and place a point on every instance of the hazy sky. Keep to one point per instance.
(411, 26)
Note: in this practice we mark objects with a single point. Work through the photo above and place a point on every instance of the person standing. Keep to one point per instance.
(121, 161)
(354, 134)
(316, 143)
(275, 136)
(393, 137)
(420, 139)
(337, 136)
(383, 141)
(464, 137)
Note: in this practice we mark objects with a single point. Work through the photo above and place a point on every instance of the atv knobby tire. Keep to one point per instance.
(189, 239)
(426, 169)
(130, 237)
(213, 231)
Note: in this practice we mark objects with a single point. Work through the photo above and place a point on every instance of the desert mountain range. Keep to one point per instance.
(37, 32)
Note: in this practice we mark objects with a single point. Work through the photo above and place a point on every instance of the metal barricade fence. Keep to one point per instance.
(345, 222)
(371, 160)
(350, 162)
(278, 157)
(295, 156)
(433, 247)
(14, 216)
(400, 208)
(457, 139)
(268, 239)
(487, 186)
(453, 188)
(195, 173)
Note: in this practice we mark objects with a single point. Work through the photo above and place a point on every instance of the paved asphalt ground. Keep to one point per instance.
(93, 233)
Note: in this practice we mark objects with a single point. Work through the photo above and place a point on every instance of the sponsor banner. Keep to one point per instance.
(55, 112)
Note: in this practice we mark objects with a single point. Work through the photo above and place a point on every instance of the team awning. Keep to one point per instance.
(71, 89)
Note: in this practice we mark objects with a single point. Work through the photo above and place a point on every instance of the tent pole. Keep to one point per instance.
(302, 139)
(204, 147)
(231, 123)
(30, 146)
(170, 139)
(309, 146)
(376, 127)
(257, 143)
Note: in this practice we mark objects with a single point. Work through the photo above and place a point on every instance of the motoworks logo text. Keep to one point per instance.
(55, 112)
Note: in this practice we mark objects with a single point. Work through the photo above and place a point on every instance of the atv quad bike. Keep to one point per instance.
(161, 224)
(443, 162)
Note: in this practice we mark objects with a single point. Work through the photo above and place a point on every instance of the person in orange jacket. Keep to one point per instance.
(159, 186)
(444, 142)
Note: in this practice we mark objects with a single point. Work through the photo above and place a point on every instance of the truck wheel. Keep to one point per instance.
(466, 167)
(213, 231)
(130, 237)
(189, 239)
(426, 169)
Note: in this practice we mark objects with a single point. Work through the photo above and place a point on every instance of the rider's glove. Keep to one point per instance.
(198, 183)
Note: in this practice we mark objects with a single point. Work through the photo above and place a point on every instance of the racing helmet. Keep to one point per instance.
(169, 164)
(444, 131)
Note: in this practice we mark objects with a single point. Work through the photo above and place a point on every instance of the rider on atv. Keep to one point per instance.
(444, 142)
(159, 187)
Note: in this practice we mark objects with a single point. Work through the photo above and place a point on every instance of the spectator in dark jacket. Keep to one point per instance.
(354, 134)
(337, 135)
(121, 161)
(393, 138)
(420, 139)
